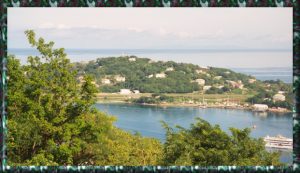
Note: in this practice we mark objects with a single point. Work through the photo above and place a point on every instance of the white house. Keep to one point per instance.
(132, 59)
(119, 78)
(260, 107)
(251, 80)
(136, 91)
(200, 81)
(217, 77)
(150, 76)
(170, 69)
(125, 91)
(105, 81)
(206, 87)
(200, 71)
(160, 75)
(278, 97)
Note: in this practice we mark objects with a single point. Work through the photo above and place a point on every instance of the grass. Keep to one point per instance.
(115, 97)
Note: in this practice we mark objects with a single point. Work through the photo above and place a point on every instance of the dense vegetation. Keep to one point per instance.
(52, 121)
(194, 146)
(141, 74)
(154, 99)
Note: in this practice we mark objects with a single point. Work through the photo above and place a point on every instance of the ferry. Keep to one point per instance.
(278, 142)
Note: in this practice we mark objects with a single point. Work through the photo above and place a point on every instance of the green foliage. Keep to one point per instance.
(155, 99)
(207, 145)
(52, 120)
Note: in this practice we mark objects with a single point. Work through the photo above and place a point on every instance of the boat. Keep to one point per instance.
(279, 142)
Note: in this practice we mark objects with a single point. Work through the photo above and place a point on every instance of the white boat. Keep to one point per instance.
(279, 142)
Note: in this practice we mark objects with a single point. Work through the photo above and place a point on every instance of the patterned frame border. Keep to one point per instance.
(4, 4)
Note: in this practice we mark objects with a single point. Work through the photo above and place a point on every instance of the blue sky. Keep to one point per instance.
(155, 28)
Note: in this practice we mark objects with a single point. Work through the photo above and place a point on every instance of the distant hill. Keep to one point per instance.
(147, 76)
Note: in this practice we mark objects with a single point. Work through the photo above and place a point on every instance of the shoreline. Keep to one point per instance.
(193, 105)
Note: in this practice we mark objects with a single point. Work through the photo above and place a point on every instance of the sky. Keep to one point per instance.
(157, 28)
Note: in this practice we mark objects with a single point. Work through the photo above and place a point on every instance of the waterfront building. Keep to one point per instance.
(260, 107)
(125, 91)
(278, 97)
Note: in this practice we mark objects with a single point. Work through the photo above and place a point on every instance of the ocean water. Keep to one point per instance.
(236, 60)
(147, 120)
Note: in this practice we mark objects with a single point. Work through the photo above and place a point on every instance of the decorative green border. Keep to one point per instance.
(149, 3)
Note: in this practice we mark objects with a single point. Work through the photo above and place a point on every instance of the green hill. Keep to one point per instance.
(147, 76)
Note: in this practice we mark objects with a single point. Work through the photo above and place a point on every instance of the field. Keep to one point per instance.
(179, 97)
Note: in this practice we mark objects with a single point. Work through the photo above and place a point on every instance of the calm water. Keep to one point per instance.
(146, 120)
(214, 58)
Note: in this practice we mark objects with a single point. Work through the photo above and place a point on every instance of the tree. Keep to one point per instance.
(52, 120)
(206, 145)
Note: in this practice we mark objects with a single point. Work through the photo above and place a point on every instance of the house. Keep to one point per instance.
(227, 72)
(217, 77)
(204, 67)
(132, 59)
(234, 84)
(220, 87)
(200, 81)
(150, 76)
(125, 91)
(260, 107)
(206, 87)
(160, 75)
(170, 69)
(251, 80)
(278, 97)
(281, 92)
(119, 78)
(136, 91)
(200, 71)
(105, 81)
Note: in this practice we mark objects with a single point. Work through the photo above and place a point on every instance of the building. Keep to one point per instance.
(234, 84)
(125, 91)
(251, 80)
(160, 75)
(105, 81)
(170, 69)
(278, 97)
(217, 77)
(200, 71)
(207, 87)
(227, 72)
(136, 91)
(150, 76)
(132, 59)
(260, 107)
(200, 82)
(119, 78)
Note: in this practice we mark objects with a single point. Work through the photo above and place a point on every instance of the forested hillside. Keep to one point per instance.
(147, 76)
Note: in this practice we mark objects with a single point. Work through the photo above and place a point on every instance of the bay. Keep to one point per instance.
(147, 120)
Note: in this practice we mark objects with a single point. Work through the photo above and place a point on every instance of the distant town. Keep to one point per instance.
(145, 81)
